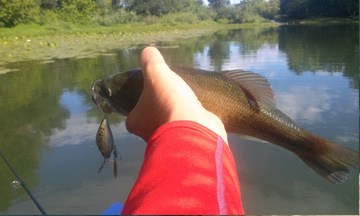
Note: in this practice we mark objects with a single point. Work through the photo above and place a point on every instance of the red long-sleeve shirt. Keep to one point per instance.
(187, 169)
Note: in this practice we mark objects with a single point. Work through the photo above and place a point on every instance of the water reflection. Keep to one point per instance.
(49, 121)
(332, 48)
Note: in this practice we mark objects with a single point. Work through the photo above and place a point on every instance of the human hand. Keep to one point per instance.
(165, 98)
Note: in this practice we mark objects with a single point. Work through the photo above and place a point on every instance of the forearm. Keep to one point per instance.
(188, 169)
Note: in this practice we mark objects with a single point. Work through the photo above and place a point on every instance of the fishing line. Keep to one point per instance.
(5, 174)
(24, 186)
(14, 185)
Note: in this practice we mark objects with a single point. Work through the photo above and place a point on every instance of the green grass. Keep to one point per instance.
(22, 31)
(332, 20)
(33, 30)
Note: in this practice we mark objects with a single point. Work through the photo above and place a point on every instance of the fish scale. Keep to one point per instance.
(245, 102)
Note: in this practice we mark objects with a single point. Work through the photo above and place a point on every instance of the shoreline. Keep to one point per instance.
(89, 42)
(44, 43)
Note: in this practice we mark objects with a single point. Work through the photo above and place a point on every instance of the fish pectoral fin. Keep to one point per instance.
(256, 87)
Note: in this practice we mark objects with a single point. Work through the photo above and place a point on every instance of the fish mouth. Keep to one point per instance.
(101, 102)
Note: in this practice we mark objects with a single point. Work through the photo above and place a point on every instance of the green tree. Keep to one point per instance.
(200, 2)
(269, 9)
(78, 11)
(283, 5)
(300, 9)
(160, 7)
(218, 4)
(50, 4)
(203, 12)
(226, 14)
(116, 4)
(14, 12)
(145, 7)
(175, 6)
(247, 11)
(257, 10)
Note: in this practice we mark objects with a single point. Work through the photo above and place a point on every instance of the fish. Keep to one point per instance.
(105, 143)
(246, 104)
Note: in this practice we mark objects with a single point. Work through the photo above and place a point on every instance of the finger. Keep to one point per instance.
(152, 61)
(154, 68)
(151, 56)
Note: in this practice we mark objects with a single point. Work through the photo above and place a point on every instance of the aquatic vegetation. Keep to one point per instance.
(42, 43)
(86, 41)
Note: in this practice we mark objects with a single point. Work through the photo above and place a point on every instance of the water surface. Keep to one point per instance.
(49, 121)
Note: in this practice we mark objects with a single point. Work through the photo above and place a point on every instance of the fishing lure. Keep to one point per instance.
(105, 143)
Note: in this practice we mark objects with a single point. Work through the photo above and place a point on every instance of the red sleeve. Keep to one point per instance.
(188, 169)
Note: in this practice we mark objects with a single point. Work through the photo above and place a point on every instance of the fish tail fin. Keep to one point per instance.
(334, 163)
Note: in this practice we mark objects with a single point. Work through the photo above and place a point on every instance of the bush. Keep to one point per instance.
(111, 17)
(226, 13)
(14, 12)
(222, 21)
(78, 11)
(48, 17)
(171, 19)
(269, 9)
(245, 16)
(150, 19)
(204, 13)
(179, 18)
(188, 18)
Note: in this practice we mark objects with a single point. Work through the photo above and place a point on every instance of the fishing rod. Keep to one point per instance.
(24, 186)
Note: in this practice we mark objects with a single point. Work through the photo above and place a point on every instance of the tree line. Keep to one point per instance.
(300, 9)
(110, 12)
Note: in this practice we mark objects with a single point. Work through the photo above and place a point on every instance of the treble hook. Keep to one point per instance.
(102, 166)
(116, 153)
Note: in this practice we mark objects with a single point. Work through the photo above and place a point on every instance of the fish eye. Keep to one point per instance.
(106, 91)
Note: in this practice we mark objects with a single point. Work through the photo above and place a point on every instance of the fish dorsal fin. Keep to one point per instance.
(255, 86)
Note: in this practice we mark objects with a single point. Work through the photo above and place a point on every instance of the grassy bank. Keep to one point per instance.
(32, 42)
(324, 20)
(33, 30)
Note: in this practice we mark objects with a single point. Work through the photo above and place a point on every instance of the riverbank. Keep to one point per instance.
(44, 43)
(34, 42)
(324, 21)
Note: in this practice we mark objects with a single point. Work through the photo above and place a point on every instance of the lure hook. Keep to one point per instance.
(102, 166)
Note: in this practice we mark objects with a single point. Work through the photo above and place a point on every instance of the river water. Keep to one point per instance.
(49, 122)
